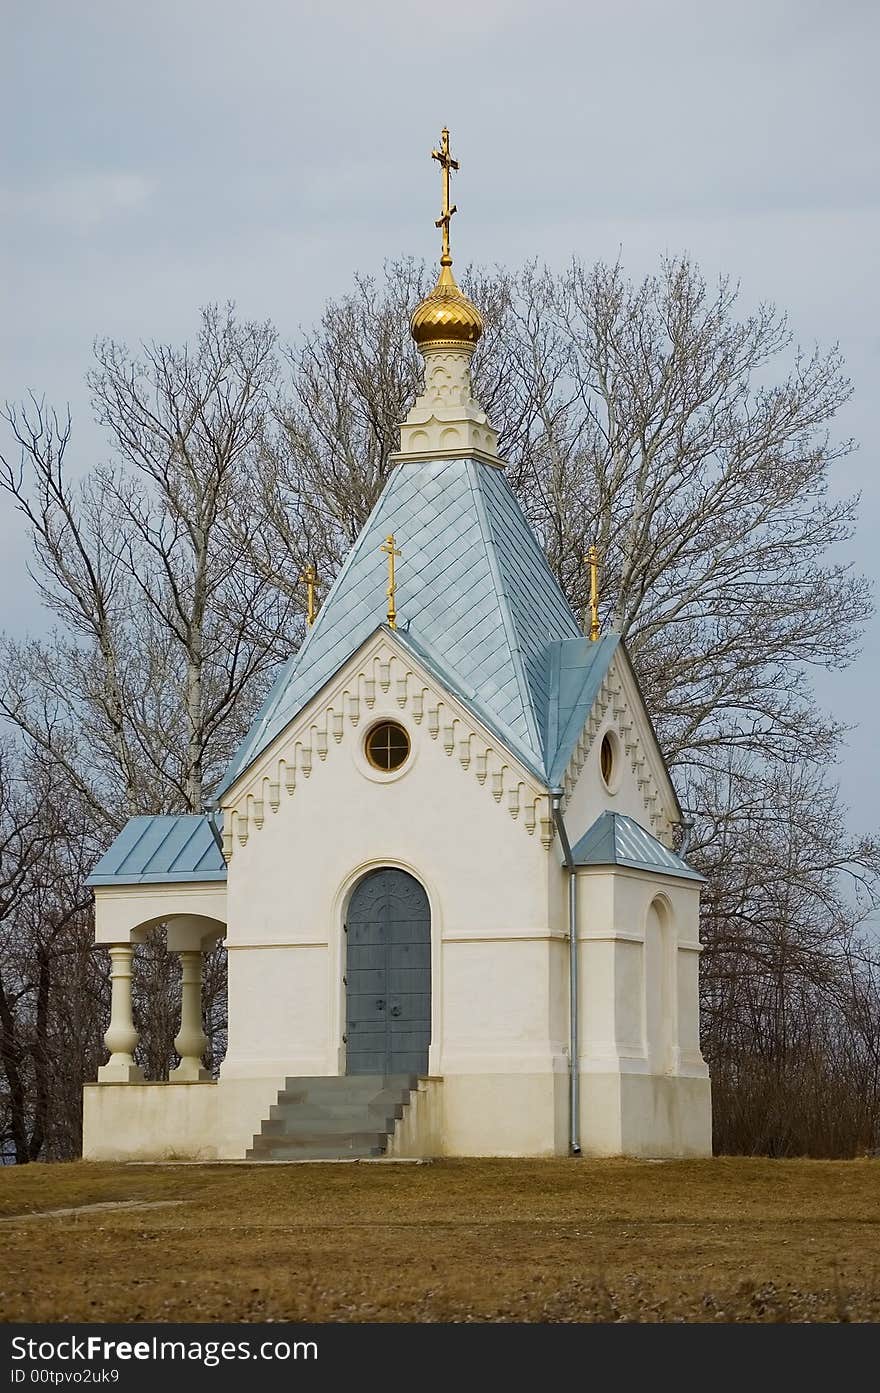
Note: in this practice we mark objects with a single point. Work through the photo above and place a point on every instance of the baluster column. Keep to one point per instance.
(190, 1042)
(121, 1037)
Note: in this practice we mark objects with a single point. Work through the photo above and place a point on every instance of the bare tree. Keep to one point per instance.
(169, 633)
(790, 1011)
(44, 908)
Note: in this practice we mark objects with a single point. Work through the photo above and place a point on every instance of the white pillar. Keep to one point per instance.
(190, 1043)
(121, 1037)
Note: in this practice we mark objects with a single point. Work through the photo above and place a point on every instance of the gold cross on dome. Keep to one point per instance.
(391, 552)
(447, 163)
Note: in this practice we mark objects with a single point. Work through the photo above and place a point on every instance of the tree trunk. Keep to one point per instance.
(41, 1055)
(11, 1055)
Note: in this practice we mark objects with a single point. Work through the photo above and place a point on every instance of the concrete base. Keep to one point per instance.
(190, 1071)
(150, 1122)
(500, 1115)
(622, 1114)
(120, 1073)
(651, 1115)
(198, 1121)
(419, 1133)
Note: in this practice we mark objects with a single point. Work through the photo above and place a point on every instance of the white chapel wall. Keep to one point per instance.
(498, 1030)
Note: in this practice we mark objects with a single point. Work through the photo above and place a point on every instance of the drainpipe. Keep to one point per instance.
(574, 1136)
(210, 815)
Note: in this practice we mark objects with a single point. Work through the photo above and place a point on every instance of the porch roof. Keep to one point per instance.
(161, 849)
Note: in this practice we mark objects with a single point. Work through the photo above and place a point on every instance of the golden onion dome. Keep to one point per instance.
(446, 316)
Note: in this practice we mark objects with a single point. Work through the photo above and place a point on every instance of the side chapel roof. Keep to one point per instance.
(617, 840)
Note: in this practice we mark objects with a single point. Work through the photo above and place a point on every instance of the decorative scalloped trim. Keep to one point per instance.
(488, 763)
(611, 699)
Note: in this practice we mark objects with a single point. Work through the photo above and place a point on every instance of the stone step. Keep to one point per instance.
(327, 1117)
(358, 1088)
(343, 1143)
(355, 1080)
(375, 1109)
(315, 1153)
(295, 1123)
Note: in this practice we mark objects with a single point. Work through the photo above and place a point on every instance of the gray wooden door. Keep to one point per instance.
(388, 976)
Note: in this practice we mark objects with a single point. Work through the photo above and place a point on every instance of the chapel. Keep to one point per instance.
(442, 862)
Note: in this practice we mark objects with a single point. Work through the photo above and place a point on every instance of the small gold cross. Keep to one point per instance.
(310, 576)
(592, 558)
(391, 552)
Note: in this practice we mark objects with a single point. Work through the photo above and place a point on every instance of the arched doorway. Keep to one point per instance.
(388, 975)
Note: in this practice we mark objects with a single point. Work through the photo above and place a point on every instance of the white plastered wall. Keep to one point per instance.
(644, 1085)
(123, 913)
(473, 828)
(640, 786)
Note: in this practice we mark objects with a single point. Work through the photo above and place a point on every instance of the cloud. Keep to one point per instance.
(78, 203)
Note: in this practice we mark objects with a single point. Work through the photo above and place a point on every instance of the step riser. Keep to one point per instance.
(313, 1154)
(391, 1107)
(355, 1141)
(326, 1126)
(393, 1081)
(324, 1095)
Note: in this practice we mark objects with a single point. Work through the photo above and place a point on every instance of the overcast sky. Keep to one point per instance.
(160, 156)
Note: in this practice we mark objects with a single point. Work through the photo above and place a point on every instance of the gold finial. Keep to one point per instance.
(447, 164)
(391, 552)
(592, 557)
(310, 576)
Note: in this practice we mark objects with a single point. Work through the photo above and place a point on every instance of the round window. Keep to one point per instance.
(606, 759)
(387, 746)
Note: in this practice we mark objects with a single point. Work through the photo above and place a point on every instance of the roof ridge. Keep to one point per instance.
(510, 629)
(439, 667)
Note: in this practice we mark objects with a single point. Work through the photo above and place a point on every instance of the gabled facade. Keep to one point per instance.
(422, 815)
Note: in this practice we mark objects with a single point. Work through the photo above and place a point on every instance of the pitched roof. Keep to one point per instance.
(617, 840)
(576, 668)
(474, 594)
(154, 850)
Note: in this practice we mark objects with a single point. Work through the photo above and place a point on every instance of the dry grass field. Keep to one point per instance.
(745, 1240)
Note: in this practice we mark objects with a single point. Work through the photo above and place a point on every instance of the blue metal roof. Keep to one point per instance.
(155, 850)
(617, 840)
(473, 589)
(576, 668)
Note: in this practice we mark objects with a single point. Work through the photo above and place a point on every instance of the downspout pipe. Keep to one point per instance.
(574, 1135)
(211, 817)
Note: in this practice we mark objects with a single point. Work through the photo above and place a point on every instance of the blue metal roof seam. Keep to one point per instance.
(161, 848)
(617, 840)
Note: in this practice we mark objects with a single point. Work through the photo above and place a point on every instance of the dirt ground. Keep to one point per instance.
(558, 1240)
